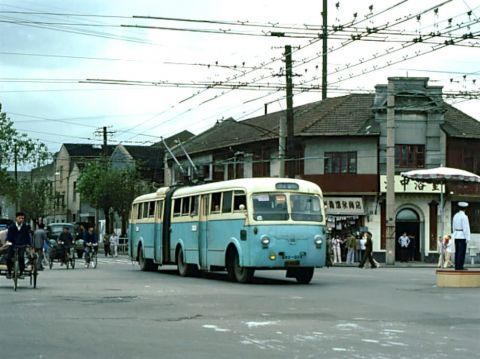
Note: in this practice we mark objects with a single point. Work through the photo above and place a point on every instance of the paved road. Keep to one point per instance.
(116, 311)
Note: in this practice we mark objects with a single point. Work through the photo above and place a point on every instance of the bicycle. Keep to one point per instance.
(91, 255)
(32, 263)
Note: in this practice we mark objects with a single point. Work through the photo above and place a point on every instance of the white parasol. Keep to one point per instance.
(442, 175)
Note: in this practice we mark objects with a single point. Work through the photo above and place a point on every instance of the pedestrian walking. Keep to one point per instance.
(106, 245)
(351, 245)
(114, 244)
(39, 239)
(368, 251)
(461, 235)
(404, 242)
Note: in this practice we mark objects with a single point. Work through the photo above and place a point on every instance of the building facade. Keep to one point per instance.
(340, 144)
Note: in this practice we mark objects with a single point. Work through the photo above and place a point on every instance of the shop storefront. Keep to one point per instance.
(345, 215)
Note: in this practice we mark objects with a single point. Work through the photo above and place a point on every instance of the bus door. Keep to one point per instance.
(157, 236)
(202, 231)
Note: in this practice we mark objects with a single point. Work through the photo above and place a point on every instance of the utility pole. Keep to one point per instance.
(390, 205)
(15, 161)
(324, 50)
(290, 141)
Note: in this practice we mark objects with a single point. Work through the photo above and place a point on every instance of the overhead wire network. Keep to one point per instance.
(246, 85)
(264, 66)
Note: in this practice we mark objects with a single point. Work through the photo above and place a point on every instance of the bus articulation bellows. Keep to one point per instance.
(238, 225)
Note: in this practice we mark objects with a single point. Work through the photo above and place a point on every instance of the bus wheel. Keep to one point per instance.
(184, 269)
(303, 275)
(241, 274)
(146, 265)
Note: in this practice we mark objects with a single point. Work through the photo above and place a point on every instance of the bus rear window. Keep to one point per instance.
(270, 207)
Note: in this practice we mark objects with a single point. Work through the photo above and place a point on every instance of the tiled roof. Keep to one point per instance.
(340, 116)
(148, 156)
(87, 150)
(459, 124)
(350, 115)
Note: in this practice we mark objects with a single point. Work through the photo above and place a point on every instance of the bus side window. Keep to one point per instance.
(185, 206)
(134, 213)
(151, 209)
(145, 210)
(194, 211)
(139, 211)
(239, 199)
(216, 201)
(159, 209)
(177, 207)
(227, 202)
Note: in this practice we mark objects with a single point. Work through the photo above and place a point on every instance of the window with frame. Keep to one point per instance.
(409, 156)
(227, 202)
(186, 206)
(151, 209)
(216, 202)
(159, 209)
(177, 207)
(239, 198)
(340, 162)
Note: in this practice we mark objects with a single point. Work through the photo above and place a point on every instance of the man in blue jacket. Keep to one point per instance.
(18, 235)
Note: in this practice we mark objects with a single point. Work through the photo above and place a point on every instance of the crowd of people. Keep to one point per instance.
(355, 249)
(19, 234)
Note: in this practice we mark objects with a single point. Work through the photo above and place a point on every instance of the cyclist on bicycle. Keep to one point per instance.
(89, 244)
(65, 241)
(18, 235)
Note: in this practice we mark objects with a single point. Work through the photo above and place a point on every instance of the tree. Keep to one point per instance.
(32, 198)
(7, 185)
(109, 189)
(129, 186)
(96, 185)
(16, 147)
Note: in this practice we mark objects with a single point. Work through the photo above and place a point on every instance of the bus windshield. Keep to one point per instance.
(270, 207)
(273, 207)
(306, 208)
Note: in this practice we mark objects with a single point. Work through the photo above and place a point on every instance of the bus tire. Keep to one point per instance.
(146, 265)
(303, 275)
(184, 269)
(240, 274)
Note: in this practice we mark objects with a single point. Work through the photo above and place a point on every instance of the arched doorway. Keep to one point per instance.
(408, 221)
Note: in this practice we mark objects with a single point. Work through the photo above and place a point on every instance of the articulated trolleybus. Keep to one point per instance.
(238, 225)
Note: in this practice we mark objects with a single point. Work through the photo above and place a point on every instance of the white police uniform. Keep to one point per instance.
(461, 234)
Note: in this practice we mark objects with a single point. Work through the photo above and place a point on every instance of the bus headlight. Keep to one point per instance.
(265, 241)
(318, 241)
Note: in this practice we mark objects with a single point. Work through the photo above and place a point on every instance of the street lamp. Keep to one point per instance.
(55, 196)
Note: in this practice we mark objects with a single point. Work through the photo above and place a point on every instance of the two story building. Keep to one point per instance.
(340, 144)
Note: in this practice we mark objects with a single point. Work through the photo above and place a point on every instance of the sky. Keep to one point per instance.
(50, 50)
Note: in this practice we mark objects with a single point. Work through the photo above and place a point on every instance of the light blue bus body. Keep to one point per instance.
(239, 225)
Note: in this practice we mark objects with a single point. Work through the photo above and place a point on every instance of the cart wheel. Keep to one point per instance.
(16, 273)
(93, 262)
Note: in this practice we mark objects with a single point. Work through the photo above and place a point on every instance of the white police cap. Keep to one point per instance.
(462, 204)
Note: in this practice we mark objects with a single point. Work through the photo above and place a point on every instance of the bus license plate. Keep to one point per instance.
(292, 263)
